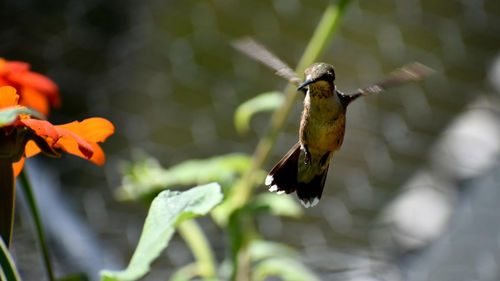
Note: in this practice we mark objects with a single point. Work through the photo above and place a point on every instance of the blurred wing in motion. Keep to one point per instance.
(258, 52)
(410, 72)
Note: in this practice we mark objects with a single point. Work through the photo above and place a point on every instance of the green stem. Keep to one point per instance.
(7, 196)
(8, 270)
(187, 272)
(243, 265)
(200, 247)
(38, 224)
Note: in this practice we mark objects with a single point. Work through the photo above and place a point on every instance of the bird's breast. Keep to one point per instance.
(323, 124)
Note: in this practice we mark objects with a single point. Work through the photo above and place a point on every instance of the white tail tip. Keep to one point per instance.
(269, 180)
(315, 201)
(306, 204)
(309, 202)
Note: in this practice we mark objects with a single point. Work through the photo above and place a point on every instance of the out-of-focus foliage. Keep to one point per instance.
(167, 210)
(277, 259)
(187, 273)
(276, 205)
(146, 177)
(286, 268)
(262, 249)
(264, 102)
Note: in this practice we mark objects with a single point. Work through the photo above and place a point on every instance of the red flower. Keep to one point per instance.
(36, 91)
(22, 136)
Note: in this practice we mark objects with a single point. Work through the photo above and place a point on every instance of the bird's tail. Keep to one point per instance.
(284, 178)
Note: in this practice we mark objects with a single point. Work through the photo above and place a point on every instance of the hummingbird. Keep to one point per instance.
(304, 167)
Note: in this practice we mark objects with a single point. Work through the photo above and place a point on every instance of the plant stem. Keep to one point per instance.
(243, 265)
(196, 240)
(8, 270)
(7, 199)
(187, 272)
(36, 217)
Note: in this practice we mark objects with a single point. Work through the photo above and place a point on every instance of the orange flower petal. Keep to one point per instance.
(77, 138)
(98, 157)
(18, 75)
(94, 129)
(8, 96)
(43, 129)
(74, 144)
(18, 166)
(31, 149)
(36, 100)
(15, 66)
(39, 83)
(2, 66)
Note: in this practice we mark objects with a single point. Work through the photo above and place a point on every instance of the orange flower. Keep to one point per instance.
(36, 91)
(22, 136)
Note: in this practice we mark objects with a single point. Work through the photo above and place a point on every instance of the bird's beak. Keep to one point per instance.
(303, 85)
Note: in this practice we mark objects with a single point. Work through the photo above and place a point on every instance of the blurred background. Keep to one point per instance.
(412, 195)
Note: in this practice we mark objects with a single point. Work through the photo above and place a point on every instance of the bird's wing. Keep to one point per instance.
(258, 52)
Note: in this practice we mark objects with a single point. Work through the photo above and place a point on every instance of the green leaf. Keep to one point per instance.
(262, 249)
(264, 102)
(286, 268)
(10, 114)
(167, 210)
(147, 177)
(8, 270)
(276, 204)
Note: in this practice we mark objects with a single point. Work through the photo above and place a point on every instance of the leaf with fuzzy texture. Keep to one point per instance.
(167, 210)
